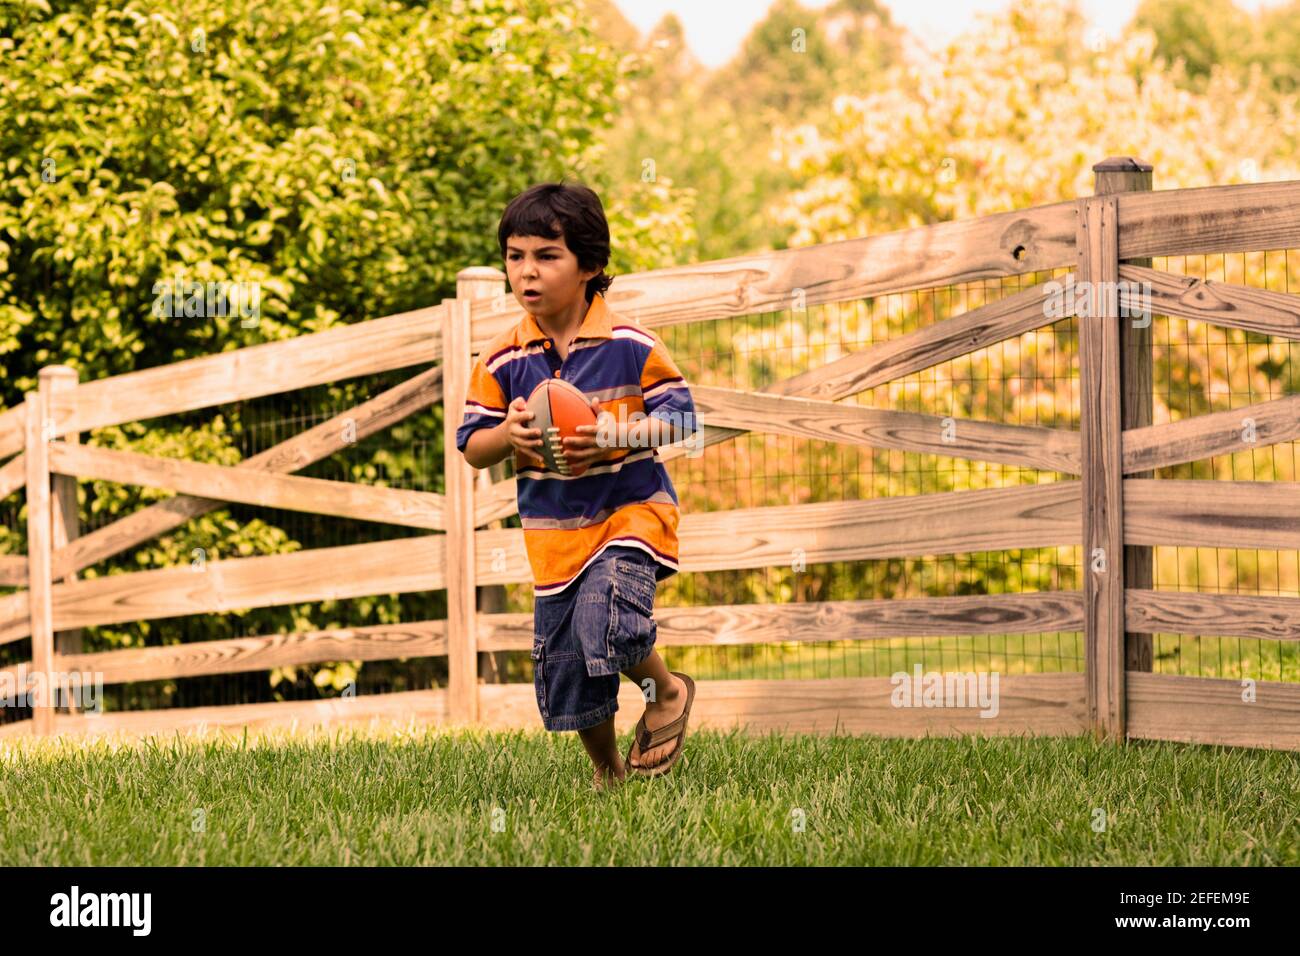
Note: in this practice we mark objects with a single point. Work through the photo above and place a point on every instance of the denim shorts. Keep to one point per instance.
(584, 636)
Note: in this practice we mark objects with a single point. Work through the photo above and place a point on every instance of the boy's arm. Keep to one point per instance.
(669, 408)
(485, 411)
(649, 433)
(487, 446)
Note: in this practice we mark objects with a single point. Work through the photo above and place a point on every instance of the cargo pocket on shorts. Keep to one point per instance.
(632, 627)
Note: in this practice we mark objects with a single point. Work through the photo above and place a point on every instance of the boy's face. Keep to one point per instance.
(548, 268)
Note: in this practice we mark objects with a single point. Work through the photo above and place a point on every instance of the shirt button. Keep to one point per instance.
(546, 345)
(557, 373)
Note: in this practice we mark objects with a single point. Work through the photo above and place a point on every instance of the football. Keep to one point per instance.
(558, 409)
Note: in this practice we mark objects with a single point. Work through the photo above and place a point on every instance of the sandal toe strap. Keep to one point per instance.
(670, 731)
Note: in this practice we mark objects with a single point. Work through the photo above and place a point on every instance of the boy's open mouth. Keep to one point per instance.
(532, 295)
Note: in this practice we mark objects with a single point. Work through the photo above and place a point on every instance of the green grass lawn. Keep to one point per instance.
(431, 798)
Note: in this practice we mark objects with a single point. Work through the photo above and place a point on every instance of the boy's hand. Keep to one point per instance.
(521, 437)
(593, 441)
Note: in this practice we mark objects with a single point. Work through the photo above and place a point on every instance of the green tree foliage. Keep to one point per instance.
(348, 159)
(796, 59)
(708, 135)
(1202, 33)
(1278, 45)
(1206, 35)
(1014, 114)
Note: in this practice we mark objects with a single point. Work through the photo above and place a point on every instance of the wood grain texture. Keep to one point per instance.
(1034, 704)
(478, 283)
(953, 522)
(1212, 514)
(385, 712)
(1030, 516)
(1264, 616)
(946, 253)
(12, 430)
(1125, 174)
(13, 570)
(363, 348)
(1218, 433)
(15, 616)
(342, 499)
(40, 621)
(321, 574)
(1204, 710)
(1102, 479)
(986, 519)
(1028, 446)
(923, 348)
(13, 476)
(1186, 222)
(500, 557)
(1219, 303)
(1121, 174)
(56, 381)
(881, 619)
(461, 544)
(370, 417)
(499, 500)
(1102, 509)
(734, 624)
(379, 642)
(876, 365)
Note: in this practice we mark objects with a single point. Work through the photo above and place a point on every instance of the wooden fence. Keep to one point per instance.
(1115, 509)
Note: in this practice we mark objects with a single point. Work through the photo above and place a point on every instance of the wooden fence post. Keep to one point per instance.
(462, 623)
(485, 282)
(56, 380)
(1102, 488)
(1124, 174)
(36, 450)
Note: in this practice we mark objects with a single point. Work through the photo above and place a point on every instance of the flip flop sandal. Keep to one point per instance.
(644, 740)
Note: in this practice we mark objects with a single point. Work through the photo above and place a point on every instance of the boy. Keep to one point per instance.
(598, 543)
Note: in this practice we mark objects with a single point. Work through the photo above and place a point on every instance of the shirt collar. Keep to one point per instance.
(595, 325)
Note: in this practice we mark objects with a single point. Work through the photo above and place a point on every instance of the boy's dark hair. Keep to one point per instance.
(568, 209)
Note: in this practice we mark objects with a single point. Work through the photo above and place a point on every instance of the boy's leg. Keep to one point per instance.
(567, 696)
(602, 748)
(668, 703)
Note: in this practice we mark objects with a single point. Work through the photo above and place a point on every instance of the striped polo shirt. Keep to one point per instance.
(626, 499)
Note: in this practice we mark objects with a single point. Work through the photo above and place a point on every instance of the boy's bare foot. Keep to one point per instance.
(608, 776)
(669, 706)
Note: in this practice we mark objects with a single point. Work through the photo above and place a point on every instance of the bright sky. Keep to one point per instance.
(715, 28)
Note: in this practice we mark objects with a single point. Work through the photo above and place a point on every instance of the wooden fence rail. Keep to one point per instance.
(1112, 506)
